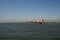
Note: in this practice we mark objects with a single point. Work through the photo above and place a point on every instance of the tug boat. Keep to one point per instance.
(41, 21)
(38, 21)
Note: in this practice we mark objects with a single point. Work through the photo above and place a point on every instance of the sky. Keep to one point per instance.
(24, 10)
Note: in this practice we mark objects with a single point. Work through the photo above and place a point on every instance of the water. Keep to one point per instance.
(28, 31)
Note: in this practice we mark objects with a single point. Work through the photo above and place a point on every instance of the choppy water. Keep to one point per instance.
(26, 31)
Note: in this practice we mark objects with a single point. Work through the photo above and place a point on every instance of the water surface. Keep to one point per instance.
(28, 31)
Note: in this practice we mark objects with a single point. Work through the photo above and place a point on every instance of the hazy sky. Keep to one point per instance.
(21, 10)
